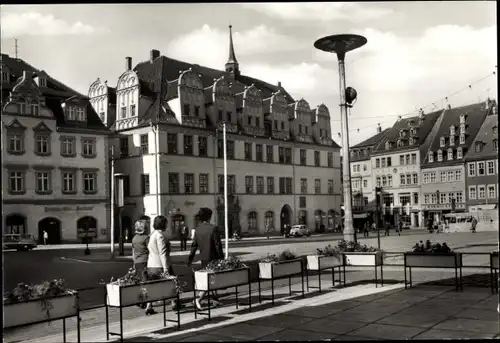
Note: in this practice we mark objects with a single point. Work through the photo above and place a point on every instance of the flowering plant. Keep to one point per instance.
(43, 291)
(232, 262)
(351, 246)
(328, 251)
(286, 255)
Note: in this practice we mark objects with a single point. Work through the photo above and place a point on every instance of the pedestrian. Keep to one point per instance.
(367, 230)
(400, 227)
(208, 241)
(45, 237)
(193, 231)
(387, 227)
(374, 226)
(126, 235)
(159, 254)
(267, 231)
(184, 233)
(282, 230)
(473, 224)
(140, 250)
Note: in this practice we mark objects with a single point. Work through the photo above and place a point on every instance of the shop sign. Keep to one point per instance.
(68, 208)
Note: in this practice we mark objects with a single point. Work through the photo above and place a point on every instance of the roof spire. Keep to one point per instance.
(232, 66)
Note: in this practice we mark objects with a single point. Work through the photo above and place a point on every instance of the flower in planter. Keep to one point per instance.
(232, 262)
(351, 246)
(328, 251)
(286, 255)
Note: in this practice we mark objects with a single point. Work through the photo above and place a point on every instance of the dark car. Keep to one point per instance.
(19, 242)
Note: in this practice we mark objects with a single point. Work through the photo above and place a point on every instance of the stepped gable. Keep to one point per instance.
(475, 115)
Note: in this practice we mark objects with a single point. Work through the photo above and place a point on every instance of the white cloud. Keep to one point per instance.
(210, 46)
(321, 11)
(36, 24)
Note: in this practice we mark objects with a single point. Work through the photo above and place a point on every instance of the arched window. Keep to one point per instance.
(440, 155)
(252, 221)
(269, 220)
(450, 154)
(459, 153)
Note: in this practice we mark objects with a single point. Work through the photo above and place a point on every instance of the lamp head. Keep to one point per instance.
(350, 95)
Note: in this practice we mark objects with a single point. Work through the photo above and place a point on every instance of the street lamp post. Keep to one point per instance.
(341, 44)
(378, 195)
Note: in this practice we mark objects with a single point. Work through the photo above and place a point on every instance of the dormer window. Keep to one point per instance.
(34, 107)
(450, 154)
(495, 130)
(452, 140)
(462, 118)
(22, 106)
(399, 143)
(80, 111)
(452, 130)
(442, 142)
(478, 146)
(495, 145)
(462, 139)
(462, 128)
(42, 81)
(387, 145)
(401, 133)
(430, 155)
(459, 153)
(411, 141)
(440, 156)
(5, 76)
(71, 113)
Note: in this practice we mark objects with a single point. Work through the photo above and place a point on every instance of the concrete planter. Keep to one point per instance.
(120, 296)
(33, 311)
(363, 258)
(433, 260)
(273, 270)
(318, 262)
(221, 280)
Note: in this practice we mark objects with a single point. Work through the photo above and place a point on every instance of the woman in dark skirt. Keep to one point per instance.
(140, 249)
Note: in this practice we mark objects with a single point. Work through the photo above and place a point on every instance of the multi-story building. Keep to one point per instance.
(395, 162)
(481, 172)
(55, 158)
(283, 166)
(443, 173)
(363, 189)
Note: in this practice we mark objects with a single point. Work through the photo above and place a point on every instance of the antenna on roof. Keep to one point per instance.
(15, 47)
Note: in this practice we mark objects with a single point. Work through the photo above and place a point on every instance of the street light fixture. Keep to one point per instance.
(341, 44)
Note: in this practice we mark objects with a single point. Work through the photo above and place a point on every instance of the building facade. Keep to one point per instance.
(481, 165)
(395, 162)
(443, 173)
(282, 164)
(55, 158)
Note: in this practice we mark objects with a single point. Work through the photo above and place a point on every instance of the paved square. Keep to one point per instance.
(451, 334)
(387, 331)
(280, 321)
(414, 317)
(334, 327)
(296, 336)
(472, 325)
(243, 331)
(355, 315)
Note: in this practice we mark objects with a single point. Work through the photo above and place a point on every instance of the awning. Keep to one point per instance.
(483, 207)
(360, 215)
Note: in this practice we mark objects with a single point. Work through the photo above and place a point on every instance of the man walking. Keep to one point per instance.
(474, 223)
(208, 241)
(184, 233)
(387, 227)
(45, 237)
(366, 232)
(400, 227)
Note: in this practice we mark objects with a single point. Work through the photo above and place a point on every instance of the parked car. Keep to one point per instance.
(19, 242)
(299, 231)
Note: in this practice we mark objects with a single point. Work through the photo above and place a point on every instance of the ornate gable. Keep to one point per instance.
(15, 125)
(42, 128)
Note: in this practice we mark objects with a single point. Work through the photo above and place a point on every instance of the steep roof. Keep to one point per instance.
(474, 114)
(423, 130)
(486, 134)
(372, 140)
(55, 93)
(366, 146)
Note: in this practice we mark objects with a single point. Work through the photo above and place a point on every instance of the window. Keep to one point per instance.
(408, 179)
(330, 160)
(260, 185)
(442, 142)
(411, 141)
(270, 185)
(34, 107)
(258, 152)
(433, 177)
(202, 146)
(399, 143)
(408, 157)
(269, 220)
(126, 185)
(442, 198)
(189, 183)
(248, 151)
(495, 145)
(185, 110)
(459, 154)
(383, 165)
(415, 198)
(450, 176)
(302, 202)
(249, 121)
(220, 115)
(478, 146)
(458, 175)
(431, 156)
(379, 183)
(188, 145)
(472, 169)
(384, 181)
(317, 186)
(68, 182)
(389, 161)
(89, 182)
(450, 154)
(281, 153)
(249, 184)
(173, 183)
(145, 184)
(492, 194)
(80, 111)
(387, 145)
(303, 186)
(462, 128)
(275, 123)
(197, 111)
(330, 186)
(144, 144)
(228, 116)
(88, 148)
(452, 130)
(480, 168)
(365, 183)
(16, 182)
(389, 181)
(71, 113)
(288, 185)
(472, 192)
(452, 140)
(402, 179)
(491, 168)
(316, 158)
(426, 198)
(124, 112)
(413, 158)
(426, 177)
(415, 178)
(443, 177)
(303, 157)
(16, 143)
(459, 198)
(481, 192)
(364, 166)
(282, 185)
(231, 184)
(433, 198)
(282, 126)
(132, 110)
(257, 121)
(269, 154)
(440, 156)
(42, 145)
(462, 138)
(172, 143)
(203, 183)
(377, 163)
(252, 221)
(124, 146)
(288, 155)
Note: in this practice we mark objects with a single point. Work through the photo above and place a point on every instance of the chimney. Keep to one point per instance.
(279, 84)
(379, 128)
(27, 75)
(128, 63)
(154, 55)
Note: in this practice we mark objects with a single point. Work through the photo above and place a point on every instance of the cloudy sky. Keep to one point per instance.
(417, 52)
